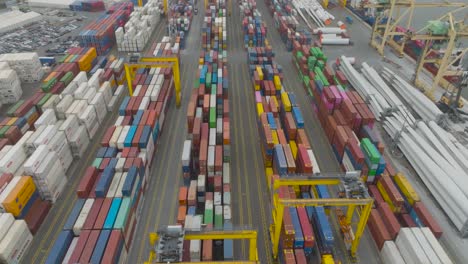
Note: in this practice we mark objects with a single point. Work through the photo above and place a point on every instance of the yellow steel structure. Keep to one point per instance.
(391, 11)
(155, 62)
(251, 235)
(140, 3)
(279, 204)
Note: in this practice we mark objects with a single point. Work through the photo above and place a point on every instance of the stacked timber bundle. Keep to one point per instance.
(103, 221)
(48, 132)
(206, 153)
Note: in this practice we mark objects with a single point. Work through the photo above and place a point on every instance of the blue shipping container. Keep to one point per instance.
(280, 160)
(74, 214)
(112, 214)
(105, 181)
(60, 248)
(129, 137)
(100, 246)
(298, 236)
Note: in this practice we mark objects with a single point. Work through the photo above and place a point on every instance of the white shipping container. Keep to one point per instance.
(59, 144)
(79, 142)
(70, 126)
(6, 221)
(80, 78)
(115, 136)
(144, 103)
(35, 161)
(113, 102)
(217, 197)
(106, 91)
(201, 183)
(89, 95)
(63, 106)
(80, 107)
(119, 121)
(120, 164)
(226, 198)
(118, 192)
(100, 106)
(12, 160)
(211, 160)
(5, 150)
(195, 246)
(79, 223)
(212, 137)
(155, 92)
(227, 213)
(226, 173)
(47, 165)
(89, 119)
(123, 135)
(315, 166)
(187, 150)
(81, 91)
(15, 243)
(30, 147)
(94, 80)
(47, 118)
(390, 254)
(7, 190)
(70, 89)
(46, 136)
(22, 142)
(51, 103)
(70, 250)
(114, 185)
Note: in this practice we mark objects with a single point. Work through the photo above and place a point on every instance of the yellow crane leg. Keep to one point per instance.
(349, 214)
(165, 6)
(140, 2)
(360, 228)
(276, 228)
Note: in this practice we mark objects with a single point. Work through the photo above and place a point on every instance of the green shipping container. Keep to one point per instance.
(196, 84)
(44, 99)
(67, 78)
(219, 219)
(213, 89)
(63, 58)
(370, 151)
(208, 79)
(47, 86)
(122, 216)
(97, 162)
(3, 130)
(212, 119)
(11, 111)
(208, 217)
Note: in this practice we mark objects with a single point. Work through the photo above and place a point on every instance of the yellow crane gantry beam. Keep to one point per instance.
(251, 235)
(382, 32)
(279, 205)
(155, 62)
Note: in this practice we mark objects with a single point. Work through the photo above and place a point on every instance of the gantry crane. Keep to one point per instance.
(155, 242)
(362, 203)
(140, 3)
(154, 62)
(385, 26)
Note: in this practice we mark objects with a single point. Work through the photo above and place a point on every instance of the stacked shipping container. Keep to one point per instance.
(111, 193)
(206, 154)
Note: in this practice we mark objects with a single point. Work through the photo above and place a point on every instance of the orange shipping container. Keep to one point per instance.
(19, 195)
(181, 214)
(183, 195)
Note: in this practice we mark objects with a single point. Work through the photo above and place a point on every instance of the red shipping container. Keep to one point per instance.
(87, 182)
(89, 247)
(393, 227)
(103, 213)
(80, 245)
(374, 192)
(113, 248)
(207, 254)
(93, 214)
(426, 218)
(218, 183)
(406, 220)
(288, 255)
(107, 136)
(300, 256)
(36, 214)
(92, 193)
(392, 192)
(377, 228)
(309, 240)
(301, 138)
(5, 178)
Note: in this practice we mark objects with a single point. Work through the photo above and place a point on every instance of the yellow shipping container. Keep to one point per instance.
(293, 145)
(406, 188)
(259, 72)
(11, 121)
(277, 81)
(268, 173)
(259, 109)
(386, 198)
(257, 87)
(19, 196)
(286, 102)
(200, 61)
(274, 135)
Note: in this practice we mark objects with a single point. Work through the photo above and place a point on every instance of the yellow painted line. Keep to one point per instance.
(59, 216)
(258, 174)
(237, 110)
(165, 175)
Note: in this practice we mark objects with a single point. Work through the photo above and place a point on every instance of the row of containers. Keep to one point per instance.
(88, 5)
(206, 193)
(351, 130)
(180, 15)
(287, 24)
(50, 131)
(100, 33)
(102, 223)
(306, 231)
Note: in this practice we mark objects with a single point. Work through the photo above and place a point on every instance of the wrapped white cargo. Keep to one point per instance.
(106, 91)
(13, 159)
(70, 250)
(114, 185)
(94, 80)
(10, 87)
(390, 254)
(79, 223)
(35, 161)
(226, 173)
(79, 142)
(187, 150)
(80, 78)
(100, 106)
(63, 106)
(15, 243)
(409, 247)
(217, 198)
(70, 126)
(30, 147)
(6, 191)
(27, 65)
(46, 136)
(47, 118)
(70, 89)
(227, 214)
(195, 246)
(6, 221)
(89, 119)
(89, 95)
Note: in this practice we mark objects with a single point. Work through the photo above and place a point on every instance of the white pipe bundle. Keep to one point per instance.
(329, 30)
(418, 101)
(334, 41)
(438, 163)
(315, 10)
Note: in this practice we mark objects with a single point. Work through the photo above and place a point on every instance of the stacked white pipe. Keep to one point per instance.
(15, 238)
(27, 66)
(332, 36)
(414, 245)
(422, 105)
(136, 33)
(315, 10)
(10, 86)
(441, 163)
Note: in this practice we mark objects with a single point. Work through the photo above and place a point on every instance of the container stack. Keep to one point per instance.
(136, 33)
(88, 5)
(167, 47)
(206, 152)
(10, 87)
(27, 66)
(100, 33)
(255, 31)
(287, 24)
(15, 238)
(180, 19)
(111, 192)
